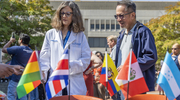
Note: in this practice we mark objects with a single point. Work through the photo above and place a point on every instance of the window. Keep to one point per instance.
(117, 26)
(97, 24)
(112, 24)
(97, 42)
(107, 24)
(92, 24)
(145, 21)
(102, 24)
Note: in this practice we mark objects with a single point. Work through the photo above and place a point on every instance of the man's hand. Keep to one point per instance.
(12, 39)
(18, 70)
(5, 71)
(119, 68)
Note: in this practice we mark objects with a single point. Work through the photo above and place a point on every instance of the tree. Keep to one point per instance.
(32, 18)
(166, 30)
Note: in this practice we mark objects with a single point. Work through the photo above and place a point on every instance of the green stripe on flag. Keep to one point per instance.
(31, 77)
(21, 91)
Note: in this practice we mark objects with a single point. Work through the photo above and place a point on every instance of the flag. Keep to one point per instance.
(30, 78)
(137, 82)
(112, 86)
(169, 79)
(59, 78)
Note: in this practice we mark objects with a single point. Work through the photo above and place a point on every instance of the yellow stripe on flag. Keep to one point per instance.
(28, 87)
(31, 67)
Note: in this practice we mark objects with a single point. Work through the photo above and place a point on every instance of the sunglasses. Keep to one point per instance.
(67, 14)
(174, 48)
(121, 16)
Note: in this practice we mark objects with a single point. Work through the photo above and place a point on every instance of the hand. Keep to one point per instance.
(18, 70)
(12, 39)
(88, 71)
(44, 77)
(5, 71)
(119, 68)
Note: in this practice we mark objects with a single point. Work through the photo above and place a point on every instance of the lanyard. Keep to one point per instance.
(66, 38)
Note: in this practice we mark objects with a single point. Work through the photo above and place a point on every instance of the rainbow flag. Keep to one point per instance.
(112, 72)
(30, 78)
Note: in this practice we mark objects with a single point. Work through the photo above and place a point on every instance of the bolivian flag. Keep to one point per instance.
(30, 78)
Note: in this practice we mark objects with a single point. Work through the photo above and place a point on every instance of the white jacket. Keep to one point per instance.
(80, 56)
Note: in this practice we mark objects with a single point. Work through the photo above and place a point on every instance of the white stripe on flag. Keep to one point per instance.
(59, 72)
(51, 87)
(135, 71)
(166, 72)
(64, 56)
(62, 84)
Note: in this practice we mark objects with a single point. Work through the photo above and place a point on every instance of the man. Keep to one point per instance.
(111, 41)
(139, 38)
(20, 56)
(7, 70)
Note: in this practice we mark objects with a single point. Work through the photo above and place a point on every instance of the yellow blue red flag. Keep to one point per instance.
(112, 72)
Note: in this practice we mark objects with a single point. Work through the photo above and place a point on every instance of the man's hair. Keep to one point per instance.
(77, 22)
(129, 5)
(25, 38)
(177, 45)
(112, 37)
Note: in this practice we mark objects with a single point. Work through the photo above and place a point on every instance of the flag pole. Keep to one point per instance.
(106, 70)
(129, 71)
(40, 72)
(69, 71)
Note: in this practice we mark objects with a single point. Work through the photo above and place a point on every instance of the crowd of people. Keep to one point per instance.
(84, 66)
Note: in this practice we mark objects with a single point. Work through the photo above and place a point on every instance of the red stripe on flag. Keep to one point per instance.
(62, 64)
(102, 78)
(57, 86)
(135, 87)
(36, 83)
(33, 57)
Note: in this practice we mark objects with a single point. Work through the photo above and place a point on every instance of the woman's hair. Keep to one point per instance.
(77, 22)
(101, 55)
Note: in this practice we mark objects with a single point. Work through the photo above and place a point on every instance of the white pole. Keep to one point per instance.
(130, 64)
(106, 67)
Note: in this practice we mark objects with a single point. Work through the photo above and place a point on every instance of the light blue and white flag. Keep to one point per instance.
(169, 78)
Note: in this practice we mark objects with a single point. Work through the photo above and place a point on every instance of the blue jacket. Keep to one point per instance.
(143, 46)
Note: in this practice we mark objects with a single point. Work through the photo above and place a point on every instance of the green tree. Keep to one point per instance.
(18, 16)
(166, 30)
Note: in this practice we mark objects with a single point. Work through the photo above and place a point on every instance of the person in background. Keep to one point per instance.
(138, 37)
(67, 31)
(175, 53)
(88, 76)
(20, 56)
(176, 57)
(99, 89)
(8, 70)
(111, 41)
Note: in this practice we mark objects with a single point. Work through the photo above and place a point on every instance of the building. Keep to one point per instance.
(99, 21)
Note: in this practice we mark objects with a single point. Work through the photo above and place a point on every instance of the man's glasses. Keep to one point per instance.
(67, 14)
(174, 48)
(121, 16)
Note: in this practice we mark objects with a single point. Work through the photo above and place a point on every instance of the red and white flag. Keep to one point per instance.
(59, 78)
(137, 84)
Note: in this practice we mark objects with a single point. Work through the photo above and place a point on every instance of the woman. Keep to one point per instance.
(99, 89)
(88, 77)
(68, 26)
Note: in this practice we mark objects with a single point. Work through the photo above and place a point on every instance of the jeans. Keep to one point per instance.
(120, 95)
(12, 94)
